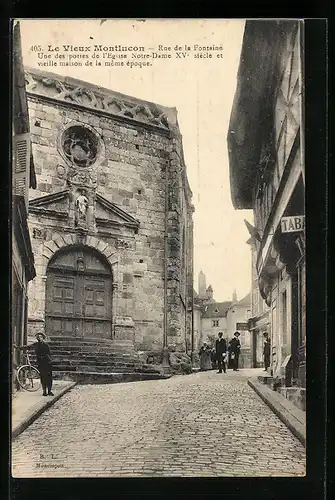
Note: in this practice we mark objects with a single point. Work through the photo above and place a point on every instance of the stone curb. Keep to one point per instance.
(287, 412)
(18, 429)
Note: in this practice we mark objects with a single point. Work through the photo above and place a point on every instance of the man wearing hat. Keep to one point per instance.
(234, 350)
(43, 357)
(221, 349)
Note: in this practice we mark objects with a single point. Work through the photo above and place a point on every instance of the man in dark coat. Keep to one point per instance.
(43, 357)
(221, 349)
(234, 350)
(266, 351)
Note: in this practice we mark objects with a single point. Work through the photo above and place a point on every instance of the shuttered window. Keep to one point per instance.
(21, 157)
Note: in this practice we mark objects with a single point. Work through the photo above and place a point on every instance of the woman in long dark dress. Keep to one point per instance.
(205, 357)
(234, 351)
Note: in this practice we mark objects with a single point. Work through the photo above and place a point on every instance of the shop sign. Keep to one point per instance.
(292, 224)
(242, 326)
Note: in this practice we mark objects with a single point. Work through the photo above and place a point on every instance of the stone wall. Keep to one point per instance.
(127, 183)
(179, 252)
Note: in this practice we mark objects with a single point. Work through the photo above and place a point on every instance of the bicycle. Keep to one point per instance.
(28, 376)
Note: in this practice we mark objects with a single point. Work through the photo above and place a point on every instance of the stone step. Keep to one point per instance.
(92, 362)
(100, 356)
(90, 340)
(106, 358)
(84, 352)
(74, 350)
(265, 379)
(91, 347)
(104, 369)
(107, 378)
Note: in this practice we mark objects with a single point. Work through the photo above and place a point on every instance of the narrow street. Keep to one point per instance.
(203, 424)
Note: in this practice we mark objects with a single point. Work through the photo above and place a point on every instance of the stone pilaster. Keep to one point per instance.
(175, 312)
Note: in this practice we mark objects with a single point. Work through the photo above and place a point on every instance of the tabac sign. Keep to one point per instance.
(292, 224)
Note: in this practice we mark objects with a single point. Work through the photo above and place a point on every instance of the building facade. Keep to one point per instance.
(214, 319)
(259, 322)
(111, 218)
(23, 177)
(237, 318)
(266, 156)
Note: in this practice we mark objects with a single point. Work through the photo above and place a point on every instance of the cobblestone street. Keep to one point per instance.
(203, 424)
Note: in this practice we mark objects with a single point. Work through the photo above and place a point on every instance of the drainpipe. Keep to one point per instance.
(165, 357)
(192, 325)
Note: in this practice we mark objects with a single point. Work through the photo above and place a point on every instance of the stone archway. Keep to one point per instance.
(79, 288)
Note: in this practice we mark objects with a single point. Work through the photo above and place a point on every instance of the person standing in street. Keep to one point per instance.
(234, 350)
(266, 351)
(43, 357)
(205, 357)
(221, 350)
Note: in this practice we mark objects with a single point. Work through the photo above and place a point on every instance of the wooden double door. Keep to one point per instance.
(79, 295)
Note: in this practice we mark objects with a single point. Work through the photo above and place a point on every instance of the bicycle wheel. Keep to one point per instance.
(28, 378)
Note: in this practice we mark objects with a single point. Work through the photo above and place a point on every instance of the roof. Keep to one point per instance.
(250, 133)
(246, 301)
(209, 310)
(78, 93)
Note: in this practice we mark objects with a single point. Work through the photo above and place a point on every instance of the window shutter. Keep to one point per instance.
(21, 165)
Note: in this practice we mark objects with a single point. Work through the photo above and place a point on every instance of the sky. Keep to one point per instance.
(202, 91)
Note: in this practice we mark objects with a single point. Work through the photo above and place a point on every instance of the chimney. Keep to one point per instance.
(234, 297)
(209, 293)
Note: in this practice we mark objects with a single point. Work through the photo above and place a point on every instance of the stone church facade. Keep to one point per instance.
(111, 218)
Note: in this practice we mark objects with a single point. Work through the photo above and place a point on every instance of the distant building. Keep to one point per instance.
(23, 178)
(214, 319)
(210, 316)
(267, 174)
(237, 317)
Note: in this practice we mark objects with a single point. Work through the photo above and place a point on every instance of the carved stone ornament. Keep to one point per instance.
(80, 264)
(102, 179)
(121, 244)
(61, 171)
(81, 178)
(105, 101)
(39, 233)
(81, 236)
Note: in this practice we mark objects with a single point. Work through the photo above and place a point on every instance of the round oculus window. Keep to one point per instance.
(80, 146)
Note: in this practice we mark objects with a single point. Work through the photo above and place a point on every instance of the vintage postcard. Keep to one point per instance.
(158, 271)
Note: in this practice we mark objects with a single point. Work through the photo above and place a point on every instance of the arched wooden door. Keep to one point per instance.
(79, 295)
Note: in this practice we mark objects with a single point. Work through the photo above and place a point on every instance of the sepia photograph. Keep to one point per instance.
(158, 318)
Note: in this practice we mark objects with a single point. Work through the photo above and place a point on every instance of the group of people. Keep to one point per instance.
(223, 355)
